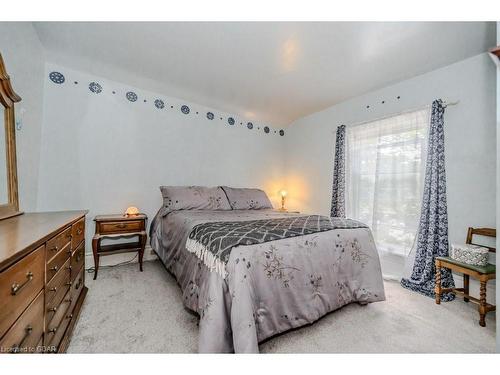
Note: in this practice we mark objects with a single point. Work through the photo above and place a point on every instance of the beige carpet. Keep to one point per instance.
(127, 311)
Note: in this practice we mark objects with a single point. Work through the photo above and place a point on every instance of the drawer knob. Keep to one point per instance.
(15, 288)
(28, 330)
(79, 231)
(53, 309)
(121, 225)
(55, 248)
(53, 330)
(69, 283)
(54, 269)
(69, 316)
(53, 289)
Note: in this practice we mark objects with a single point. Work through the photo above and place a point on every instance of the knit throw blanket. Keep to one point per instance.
(212, 242)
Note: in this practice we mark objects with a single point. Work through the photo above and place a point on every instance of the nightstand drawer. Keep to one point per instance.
(120, 227)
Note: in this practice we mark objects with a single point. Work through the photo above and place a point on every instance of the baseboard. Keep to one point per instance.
(110, 260)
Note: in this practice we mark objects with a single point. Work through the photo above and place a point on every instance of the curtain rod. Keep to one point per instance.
(445, 105)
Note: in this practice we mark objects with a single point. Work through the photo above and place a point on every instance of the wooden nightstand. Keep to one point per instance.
(117, 226)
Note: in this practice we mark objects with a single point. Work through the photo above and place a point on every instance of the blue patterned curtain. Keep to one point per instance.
(432, 237)
(338, 189)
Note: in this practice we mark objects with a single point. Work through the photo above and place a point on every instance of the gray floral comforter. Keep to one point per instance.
(270, 287)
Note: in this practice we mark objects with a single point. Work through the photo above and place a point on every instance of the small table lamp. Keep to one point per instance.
(132, 211)
(283, 194)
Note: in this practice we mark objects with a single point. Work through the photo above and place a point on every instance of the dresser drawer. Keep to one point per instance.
(19, 284)
(77, 260)
(52, 306)
(59, 281)
(57, 326)
(25, 334)
(117, 227)
(77, 287)
(57, 262)
(57, 243)
(77, 233)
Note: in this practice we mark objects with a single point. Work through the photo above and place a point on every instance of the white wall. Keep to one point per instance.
(470, 136)
(103, 153)
(24, 58)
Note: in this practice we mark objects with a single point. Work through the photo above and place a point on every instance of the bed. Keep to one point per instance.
(266, 287)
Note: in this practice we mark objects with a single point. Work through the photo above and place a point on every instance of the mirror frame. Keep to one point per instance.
(7, 98)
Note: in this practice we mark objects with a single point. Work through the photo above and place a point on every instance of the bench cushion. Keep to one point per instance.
(489, 268)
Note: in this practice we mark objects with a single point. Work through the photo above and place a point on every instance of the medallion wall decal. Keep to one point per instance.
(59, 79)
(131, 96)
(95, 87)
(159, 104)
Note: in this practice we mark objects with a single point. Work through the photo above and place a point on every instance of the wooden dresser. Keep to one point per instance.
(42, 276)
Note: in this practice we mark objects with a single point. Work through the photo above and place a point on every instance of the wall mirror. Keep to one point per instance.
(9, 199)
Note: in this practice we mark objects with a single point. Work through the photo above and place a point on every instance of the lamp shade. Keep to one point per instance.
(132, 211)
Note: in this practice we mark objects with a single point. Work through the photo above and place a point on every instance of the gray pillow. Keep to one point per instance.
(247, 199)
(193, 198)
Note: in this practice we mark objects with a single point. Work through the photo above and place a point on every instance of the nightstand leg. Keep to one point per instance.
(141, 252)
(95, 246)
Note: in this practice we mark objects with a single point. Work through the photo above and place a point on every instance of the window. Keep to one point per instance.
(385, 161)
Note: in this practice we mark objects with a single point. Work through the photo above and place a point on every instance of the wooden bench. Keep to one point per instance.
(483, 274)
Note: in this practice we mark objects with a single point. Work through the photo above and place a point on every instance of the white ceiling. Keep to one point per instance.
(271, 72)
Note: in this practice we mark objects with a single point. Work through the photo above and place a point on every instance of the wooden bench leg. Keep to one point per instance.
(438, 283)
(466, 287)
(482, 304)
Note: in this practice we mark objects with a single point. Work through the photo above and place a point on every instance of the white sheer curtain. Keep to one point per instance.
(385, 165)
